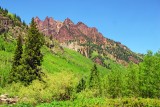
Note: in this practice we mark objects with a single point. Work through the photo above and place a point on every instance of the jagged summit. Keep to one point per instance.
(36, 19)
(86, 40)
(68, 21)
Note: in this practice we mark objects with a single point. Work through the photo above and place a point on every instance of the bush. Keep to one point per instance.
(59, 86)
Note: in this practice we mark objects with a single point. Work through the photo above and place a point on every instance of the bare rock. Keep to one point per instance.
(5, 99)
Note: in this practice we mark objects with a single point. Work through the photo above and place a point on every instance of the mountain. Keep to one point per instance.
(87, 41)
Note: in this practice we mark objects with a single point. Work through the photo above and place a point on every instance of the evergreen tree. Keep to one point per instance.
(32, 56)
(1, 9)
(14, 74)
(24, 23)
(82, 85)
(94, 80)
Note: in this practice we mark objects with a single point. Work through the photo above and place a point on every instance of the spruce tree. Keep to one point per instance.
(14, 74)
(32, 56)
(94, 80)
(81, 86)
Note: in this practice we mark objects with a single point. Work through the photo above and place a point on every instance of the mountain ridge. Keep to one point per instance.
(86, 40)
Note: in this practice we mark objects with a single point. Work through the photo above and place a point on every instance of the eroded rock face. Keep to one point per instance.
(63, 35)
(49, 26)
(91, 33)
(5, 23)
(67, 31)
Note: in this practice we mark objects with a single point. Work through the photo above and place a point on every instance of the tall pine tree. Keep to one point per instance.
(81, 86)
(32, 56)
(14, 74)
(94, 80)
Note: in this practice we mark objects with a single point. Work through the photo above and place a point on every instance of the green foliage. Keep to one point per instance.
(24, 23)
(101, 102)
(15, 71)
(81, 85)
(2, 44)
(115, 83)
(132, 80)
(150, 75)
(5, 60)
(3, 11)
(94, 80)
(32, 56)
(6, 46)
(94, 54)
(59, 86)
(96, 102)
(5, 66)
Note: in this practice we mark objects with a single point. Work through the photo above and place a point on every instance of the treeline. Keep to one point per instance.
(139, 80)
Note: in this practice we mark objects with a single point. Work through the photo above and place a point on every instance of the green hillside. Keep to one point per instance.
(67, 78)
(63, 71)
(65, 60)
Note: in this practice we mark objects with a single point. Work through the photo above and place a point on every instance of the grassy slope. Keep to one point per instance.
(5, 65)
(68, 61)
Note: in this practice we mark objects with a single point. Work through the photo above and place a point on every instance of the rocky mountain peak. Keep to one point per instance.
(48, 19)
(82, 24)
(37, 20)
(68, 21)
(49, 26)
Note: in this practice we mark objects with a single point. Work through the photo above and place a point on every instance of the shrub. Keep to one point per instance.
(59, 86)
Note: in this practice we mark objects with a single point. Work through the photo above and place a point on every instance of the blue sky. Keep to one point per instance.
(134, 23)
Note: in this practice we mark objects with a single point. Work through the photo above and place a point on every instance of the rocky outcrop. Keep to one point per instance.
(5, 99)
(92, 33)
(84, 50)
(49, 26)
(11, 25)
(5, 22)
